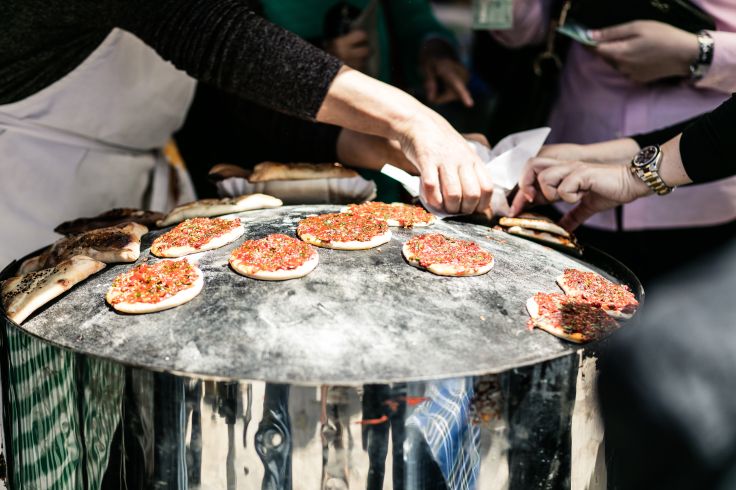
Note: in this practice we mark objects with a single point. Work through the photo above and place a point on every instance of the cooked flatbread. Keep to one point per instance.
(268, 171)
(140, 278)
(614, 299)
(197, 235)
(274, 258)
(110, 218)
(206, 208)
(114, 244)
(446, 256)
(396, 214)
(343, 231)
(24, 294)
(533, 221)
(374, 242)
(569, 318)
(544, 237)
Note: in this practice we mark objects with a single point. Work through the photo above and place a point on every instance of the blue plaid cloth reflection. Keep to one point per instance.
(444, 421)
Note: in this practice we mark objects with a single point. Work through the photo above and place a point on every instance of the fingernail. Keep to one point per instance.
(529, 198)
(594, 35)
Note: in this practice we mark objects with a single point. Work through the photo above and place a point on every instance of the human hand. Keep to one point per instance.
(352, 48)
(646, 50)
(454, 179)
(453, 76)
(437, 64)
(361, 150)
(593, 187)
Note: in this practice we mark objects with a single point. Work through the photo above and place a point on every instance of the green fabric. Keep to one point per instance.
(413, 21)
(44, 392)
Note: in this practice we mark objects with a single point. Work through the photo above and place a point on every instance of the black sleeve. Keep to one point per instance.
(708, 146)
(225, 44)
(661, 136)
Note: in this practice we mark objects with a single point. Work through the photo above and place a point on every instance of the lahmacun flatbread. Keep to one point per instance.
(342, 231)
(154, 287)
(615, 299)
(197, 235)
(24, 294)
(394, 214)
(545, 237)
(569, 318)
(206, 208)
(114, 244)
(110, 218)
(270, 171)
(275, 257)
(447, 256)
(532, 221)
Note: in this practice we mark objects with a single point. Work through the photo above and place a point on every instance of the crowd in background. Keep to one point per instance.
(633, 74)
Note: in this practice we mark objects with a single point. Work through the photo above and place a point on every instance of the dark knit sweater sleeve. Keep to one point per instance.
(225, 44)
(708, 146)
(661, 136)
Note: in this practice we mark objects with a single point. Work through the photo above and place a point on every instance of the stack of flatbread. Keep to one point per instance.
(295, 183)
(91, 243)
(540, 229)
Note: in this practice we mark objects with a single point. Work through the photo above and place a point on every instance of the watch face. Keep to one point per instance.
(646, 156)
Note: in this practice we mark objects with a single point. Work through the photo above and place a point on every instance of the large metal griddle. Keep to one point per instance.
(360, 317)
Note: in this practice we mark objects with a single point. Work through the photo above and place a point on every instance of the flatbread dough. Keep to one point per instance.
(24, 294)
(206, 208)
(160, 249)
(179, 298)
(270, 171)
(114, 244)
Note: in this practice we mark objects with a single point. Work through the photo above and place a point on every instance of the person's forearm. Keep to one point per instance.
(453, 179)
(672, 171)
(371, 152)
(610, 151)
(358, 102)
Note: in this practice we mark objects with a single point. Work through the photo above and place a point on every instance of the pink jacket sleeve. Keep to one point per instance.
(721, 75)
(531, 20)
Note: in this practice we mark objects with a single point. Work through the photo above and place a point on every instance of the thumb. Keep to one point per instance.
(579, 214)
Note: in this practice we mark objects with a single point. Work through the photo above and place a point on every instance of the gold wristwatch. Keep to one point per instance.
(645, 165)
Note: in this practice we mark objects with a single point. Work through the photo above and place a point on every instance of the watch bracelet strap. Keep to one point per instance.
(705, 56)
(653, 181)
(705, 53)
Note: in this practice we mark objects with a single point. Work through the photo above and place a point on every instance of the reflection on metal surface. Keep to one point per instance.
(77, 422)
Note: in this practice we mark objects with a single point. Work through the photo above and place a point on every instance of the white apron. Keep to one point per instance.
(89, 142)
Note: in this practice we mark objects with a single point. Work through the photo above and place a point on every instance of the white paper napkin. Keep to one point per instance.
(504, 163)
